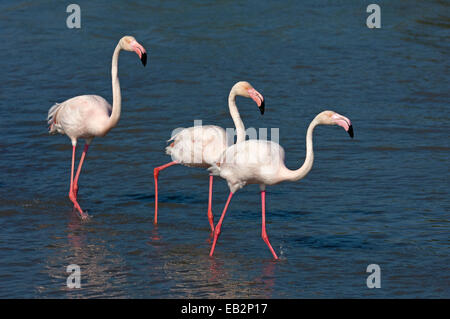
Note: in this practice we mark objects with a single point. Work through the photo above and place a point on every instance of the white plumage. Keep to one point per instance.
(262, 162)
(198, 146)
(84, 116)
(250, 162)
(201, 146)
(89, 116)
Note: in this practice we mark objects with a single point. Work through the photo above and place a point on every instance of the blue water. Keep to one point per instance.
(381, 198)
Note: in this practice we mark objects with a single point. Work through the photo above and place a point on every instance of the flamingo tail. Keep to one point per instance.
(214, 170)
(51, 118)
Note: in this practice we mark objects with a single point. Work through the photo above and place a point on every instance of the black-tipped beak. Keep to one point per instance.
(262, 107)
(144, 58)
(350, 131)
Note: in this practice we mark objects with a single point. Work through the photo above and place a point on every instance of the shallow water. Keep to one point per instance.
(381, 198)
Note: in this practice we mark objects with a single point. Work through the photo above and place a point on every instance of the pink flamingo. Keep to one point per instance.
(201, 146)
(88, 116)
(262, 162)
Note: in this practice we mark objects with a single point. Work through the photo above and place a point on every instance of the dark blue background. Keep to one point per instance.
(381, 198)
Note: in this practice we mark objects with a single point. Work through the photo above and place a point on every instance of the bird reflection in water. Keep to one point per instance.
(101, 269)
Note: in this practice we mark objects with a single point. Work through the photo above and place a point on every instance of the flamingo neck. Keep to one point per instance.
(117, 97)
(238, 124)
(295, 175)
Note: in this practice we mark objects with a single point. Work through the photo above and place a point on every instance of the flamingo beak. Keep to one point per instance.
(262, 107)
(350, 131)
(140, 51)
(344, 122)
(258, 98)
(144, 58)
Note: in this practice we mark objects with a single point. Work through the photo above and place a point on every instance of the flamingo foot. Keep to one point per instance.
(266, 240)
(83, 215)
(216, 236)
(156, 175)
(219, 225)
(263, 232)
(156, 171)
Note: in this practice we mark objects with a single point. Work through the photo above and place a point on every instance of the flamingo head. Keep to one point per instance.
(129, 43)
(245, 89)
(333, 118)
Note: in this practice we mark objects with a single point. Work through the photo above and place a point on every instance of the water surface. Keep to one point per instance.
(382, 198)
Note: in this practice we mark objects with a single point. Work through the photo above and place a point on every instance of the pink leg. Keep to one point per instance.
(219, 224)
(264, 233)
(210, 214)
(72, 195)
(75, 182)
(155, 175)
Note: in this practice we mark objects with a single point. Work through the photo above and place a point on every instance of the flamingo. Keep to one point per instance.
(88, 116)
(262, 162)
(201, 146)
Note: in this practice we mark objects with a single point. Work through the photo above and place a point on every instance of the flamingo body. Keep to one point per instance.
(201, 146)
(251, 162)
(84, 116)
(89, 116)
(262, 162)
(198, 146)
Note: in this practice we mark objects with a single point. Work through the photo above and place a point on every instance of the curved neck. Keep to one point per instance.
(117, 98)
(295, 175)
(238, 124)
